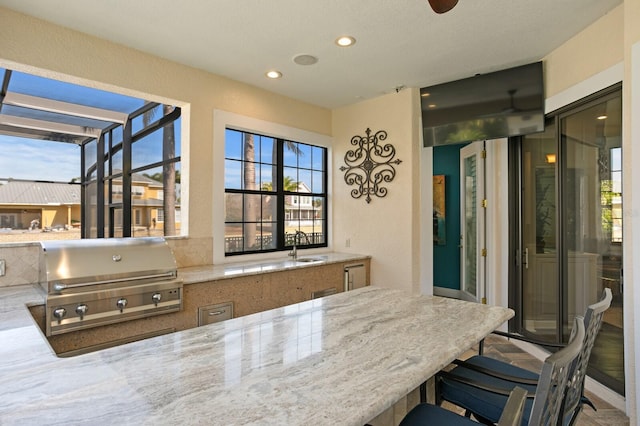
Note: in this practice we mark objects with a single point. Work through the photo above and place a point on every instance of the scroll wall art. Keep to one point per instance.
(369, 165)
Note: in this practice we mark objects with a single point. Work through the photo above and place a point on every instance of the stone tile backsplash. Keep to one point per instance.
(21, 264)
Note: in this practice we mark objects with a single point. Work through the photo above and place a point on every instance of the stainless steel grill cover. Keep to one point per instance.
(104, 281)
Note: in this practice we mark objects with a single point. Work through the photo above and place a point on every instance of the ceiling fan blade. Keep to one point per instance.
(442, 6)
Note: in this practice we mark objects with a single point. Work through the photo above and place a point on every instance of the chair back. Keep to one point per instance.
(592, 324)
(551, 388)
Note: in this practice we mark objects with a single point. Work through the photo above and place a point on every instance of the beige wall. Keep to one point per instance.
(386, 228)
(595, 49)
(35, 46)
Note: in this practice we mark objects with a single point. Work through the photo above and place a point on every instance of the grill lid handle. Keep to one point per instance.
(60, 286)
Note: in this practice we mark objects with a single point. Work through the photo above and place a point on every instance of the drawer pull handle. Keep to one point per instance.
(214, 313)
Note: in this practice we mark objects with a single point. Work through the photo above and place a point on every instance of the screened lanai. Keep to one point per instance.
(119, 154)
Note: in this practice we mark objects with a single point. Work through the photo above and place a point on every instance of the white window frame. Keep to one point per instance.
(224, 119)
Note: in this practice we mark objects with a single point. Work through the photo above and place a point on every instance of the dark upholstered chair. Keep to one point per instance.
(427, 414)
(549, 394)
(481, 385)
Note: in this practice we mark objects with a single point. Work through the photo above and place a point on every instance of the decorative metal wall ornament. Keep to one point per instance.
(369, 165)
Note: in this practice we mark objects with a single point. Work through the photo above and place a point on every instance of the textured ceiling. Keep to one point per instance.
(400, 43)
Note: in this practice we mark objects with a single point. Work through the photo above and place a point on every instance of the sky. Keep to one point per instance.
(38, 160)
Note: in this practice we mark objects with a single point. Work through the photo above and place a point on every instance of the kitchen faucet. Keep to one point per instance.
(296, 237)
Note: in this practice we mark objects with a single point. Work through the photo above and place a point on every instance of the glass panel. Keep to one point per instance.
(232, 174)
(304, 156)
(30, 159)
(267, 150)
(252, 205)
(53, 117)
(233, 239)
(143, 120)
(304, 177)
(233, 144)
(289, 154)
(471, 219)
(116, 161)
(593, 235)
(52, 89)
(317, 182)
(117, 224)
(269, 208)
(90, 219)
(268, 177)
(290, 179)
(147, 150)
(233, 207)
(318, 158)
(540, 267)
(266, 235)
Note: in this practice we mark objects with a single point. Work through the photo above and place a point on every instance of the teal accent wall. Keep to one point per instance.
(446, 258)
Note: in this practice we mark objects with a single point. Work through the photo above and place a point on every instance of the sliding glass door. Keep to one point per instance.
(571, 227)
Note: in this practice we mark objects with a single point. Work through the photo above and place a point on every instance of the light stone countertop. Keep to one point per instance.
(342, 360)
(196, 274)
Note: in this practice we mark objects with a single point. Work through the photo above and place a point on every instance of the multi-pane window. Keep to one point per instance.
(275, 193)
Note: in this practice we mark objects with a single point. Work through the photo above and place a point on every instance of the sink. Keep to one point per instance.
(308, 259)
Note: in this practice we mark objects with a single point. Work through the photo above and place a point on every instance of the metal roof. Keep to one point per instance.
(39, 193)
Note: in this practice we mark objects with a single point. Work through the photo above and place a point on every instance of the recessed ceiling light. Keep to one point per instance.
(602, 117)
(273, 74)
(305, 59)
(345, 41)
(432, 105)
(426, 94)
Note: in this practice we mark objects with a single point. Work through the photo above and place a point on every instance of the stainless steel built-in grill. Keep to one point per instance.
(97, 282)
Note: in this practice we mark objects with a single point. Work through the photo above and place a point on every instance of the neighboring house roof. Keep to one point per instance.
(302, 187)
(39, 193)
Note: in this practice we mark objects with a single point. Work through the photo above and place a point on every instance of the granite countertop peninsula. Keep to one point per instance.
(341, 359)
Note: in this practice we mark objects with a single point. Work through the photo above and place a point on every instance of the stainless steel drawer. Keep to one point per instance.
(323, 293)
(215, 313)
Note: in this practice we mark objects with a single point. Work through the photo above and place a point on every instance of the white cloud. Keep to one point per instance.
(38, 160)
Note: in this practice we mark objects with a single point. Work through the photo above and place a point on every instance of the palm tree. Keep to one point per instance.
(168, 168)
(249, 178)
(169, 174)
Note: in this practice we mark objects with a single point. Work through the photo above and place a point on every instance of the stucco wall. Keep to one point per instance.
(593, 50)
(386, 227)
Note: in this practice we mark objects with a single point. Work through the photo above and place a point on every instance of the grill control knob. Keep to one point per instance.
(59, 313)
(82, 310)
(121, 303)
(156, 297)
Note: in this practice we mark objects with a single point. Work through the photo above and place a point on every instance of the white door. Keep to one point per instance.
(472, 218)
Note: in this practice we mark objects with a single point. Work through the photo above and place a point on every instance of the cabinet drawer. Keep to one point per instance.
(215, 313)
